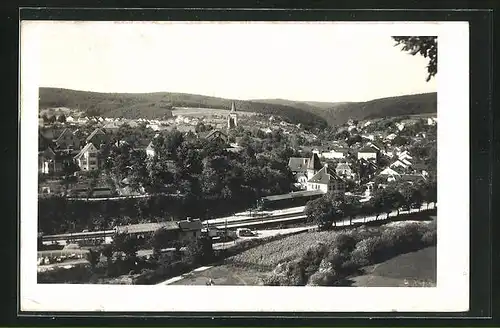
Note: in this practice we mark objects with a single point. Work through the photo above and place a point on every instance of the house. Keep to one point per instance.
(368, 152)
(185, 129)
(401, 163)
(326, 180)
(97, 137)
(391, 137)
(344, 170)
(412, 178)
(186, 230)
(336, 153)
(150, 150)
(49, 161)
(67, 140)
(400, 126)
(214, 135)
(420, 168)
(404, 155)
(298, 166)
(390, 174)
(432, 121)
(304, 168)
(70, 119)
(87, 159)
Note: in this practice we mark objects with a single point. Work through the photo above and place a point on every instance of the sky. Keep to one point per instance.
(332, 62)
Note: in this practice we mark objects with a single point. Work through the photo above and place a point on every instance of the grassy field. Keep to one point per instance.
(405, 270)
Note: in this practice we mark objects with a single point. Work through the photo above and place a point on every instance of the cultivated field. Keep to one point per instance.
(192, 111)
(251, 267)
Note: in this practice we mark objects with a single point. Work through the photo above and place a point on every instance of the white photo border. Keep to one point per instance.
(450, 295)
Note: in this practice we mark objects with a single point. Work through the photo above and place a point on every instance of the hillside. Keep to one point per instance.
(384, 107)
(339, 113)
(159, 104)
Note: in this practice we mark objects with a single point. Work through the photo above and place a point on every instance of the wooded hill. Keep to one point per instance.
(339, 113)
(159, 104)
(309, 113)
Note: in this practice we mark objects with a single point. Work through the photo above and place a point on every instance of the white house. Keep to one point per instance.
(336, 152)
(326, 180)
(70, 119)
(150, 150)
(431, 121)
(403, 163)
(391, 137)
(367, 153)
(400, 126)
(86, 159)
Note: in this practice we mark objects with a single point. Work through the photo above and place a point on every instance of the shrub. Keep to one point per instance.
(345, 242)
(367, 251)
(429, 238)
(323, 278)
(286, 274)
(336, 258)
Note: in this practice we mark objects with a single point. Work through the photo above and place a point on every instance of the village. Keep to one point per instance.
(78, 163)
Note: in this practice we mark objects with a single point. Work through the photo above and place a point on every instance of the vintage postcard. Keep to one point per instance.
(244, 166)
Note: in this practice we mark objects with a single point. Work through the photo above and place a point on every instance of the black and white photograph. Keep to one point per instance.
(199, 159)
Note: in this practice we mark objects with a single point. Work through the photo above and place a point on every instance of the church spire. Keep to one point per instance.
(232, 107)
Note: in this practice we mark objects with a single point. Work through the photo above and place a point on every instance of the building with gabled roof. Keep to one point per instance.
(368, 152)
(67, 140)
(344, 170)
(184, 230)
(298, 164)
(214, 134)
(326, 180)
(97, 137)
(87, 159)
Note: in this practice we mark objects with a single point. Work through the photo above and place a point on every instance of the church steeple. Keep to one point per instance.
(232, 119)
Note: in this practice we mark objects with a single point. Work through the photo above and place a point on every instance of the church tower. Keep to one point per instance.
(232, 119)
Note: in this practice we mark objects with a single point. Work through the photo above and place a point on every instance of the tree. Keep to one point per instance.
(126, 243)
(94, 178)
(324, 211)
(163, 238)
(108, 251)
(385, 200)
(51, 119)
(93, 258)
(423, 45)
(411, 195)
(351, 207)
(61, 118)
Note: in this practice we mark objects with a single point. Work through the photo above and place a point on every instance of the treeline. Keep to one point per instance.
(332, 208)
(158, 105)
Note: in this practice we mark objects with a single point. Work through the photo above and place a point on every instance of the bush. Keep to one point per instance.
(74, 275)
(323, 278)
(286, 274)
(429, 238)
(367, 251)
